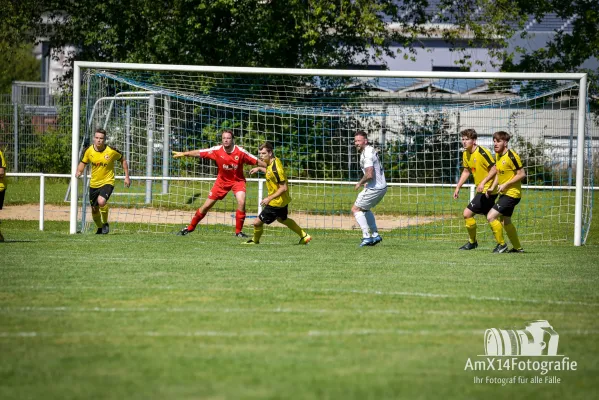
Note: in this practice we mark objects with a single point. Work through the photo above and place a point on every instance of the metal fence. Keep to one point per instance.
(35, 128)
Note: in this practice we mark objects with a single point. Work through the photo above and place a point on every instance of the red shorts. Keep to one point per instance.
(220, 189)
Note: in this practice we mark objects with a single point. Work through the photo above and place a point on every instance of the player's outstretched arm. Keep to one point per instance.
(191, 153)
(257, 169)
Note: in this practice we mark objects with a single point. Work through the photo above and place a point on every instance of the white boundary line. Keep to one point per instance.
(230, 334)
(325, 290)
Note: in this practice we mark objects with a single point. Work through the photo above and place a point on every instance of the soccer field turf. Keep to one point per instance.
(160, 316)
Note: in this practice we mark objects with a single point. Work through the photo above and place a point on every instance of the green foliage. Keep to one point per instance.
(291, 33)
(52, 155)
(537, 163)
(17, 63)
(427, 153)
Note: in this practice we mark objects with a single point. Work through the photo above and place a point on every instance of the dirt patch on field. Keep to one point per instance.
(168, 217)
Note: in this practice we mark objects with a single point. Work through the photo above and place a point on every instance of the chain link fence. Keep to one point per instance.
(35, 128)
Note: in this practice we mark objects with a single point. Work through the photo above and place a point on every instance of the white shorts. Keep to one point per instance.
(369, 198)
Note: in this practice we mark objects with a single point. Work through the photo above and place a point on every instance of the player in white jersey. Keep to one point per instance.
(375, 187)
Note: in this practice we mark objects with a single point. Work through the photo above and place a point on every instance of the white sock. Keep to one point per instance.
(361, 220)
(371, 223)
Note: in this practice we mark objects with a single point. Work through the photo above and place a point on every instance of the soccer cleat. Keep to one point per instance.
(500, 248)
(376, 240)
(469, 246)
(99, 231)
(241, 235)
(183, 232)
(516, 251)
(366, 242)
(250, 242)
(305, 240)
(105, 229)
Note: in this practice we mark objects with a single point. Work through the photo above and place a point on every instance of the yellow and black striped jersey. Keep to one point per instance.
(3, 180)
(507, 165)
(479, 163)
(275, 174)
(102, 165)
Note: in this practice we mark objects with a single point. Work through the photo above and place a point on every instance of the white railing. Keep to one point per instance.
(260, 181)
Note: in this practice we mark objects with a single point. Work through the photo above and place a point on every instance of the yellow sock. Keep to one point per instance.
(497, 229)
(513, 235)
(104, 213)
(291, 224)
(97, 219)
(471, 227)
(258, 233)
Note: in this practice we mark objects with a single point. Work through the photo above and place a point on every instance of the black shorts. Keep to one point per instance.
(505, 205)
(2, 198)
(481, 204)
(104, 191)
(270, 214)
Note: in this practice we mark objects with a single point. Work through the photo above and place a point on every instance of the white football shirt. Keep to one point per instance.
(370, 158)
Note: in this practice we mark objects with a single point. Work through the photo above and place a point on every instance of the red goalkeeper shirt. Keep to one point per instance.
(230, 165)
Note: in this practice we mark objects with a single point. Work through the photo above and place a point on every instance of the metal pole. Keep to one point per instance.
(582, 105)
(42, 200)
(75, 145)
(15, 167)
(150, 148)
(166, 143)
(128, 134)
(571, 149)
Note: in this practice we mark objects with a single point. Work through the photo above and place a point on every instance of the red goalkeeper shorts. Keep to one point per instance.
(220, 189)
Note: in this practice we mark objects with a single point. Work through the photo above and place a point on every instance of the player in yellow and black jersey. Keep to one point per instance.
(102, 158)
(479, 162)
(508, 181)
(276, 203)
(2, 184)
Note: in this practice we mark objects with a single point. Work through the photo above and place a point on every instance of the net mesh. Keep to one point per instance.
(311, 120)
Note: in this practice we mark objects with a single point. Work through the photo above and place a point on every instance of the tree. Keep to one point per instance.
(17, 63)
(290, 33)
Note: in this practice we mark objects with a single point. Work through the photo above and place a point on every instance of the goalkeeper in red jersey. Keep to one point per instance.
(230, 160)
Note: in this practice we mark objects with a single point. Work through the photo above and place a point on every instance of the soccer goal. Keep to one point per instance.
(311, 116)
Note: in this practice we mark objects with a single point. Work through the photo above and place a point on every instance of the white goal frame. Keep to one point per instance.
(580, 77)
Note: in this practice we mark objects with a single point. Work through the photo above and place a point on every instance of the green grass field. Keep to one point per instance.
(141, 316)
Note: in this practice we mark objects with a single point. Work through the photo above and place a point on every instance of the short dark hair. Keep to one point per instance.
(100, 130)
(469, 133)
(228, 131)
(363, 134)
(502, 135)
(267, 146)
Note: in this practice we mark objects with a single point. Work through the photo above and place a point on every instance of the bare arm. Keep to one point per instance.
(490, 175)
(80, 169)
(282, 189)
(2, 172)
(368, 173)
(126, 169)
(463, 179)
(520, 174)
(257, 169)
(190, 153)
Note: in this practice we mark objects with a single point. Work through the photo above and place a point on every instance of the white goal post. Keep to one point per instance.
(414, 118)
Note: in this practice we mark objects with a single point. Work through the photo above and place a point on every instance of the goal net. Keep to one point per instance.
(311, 117)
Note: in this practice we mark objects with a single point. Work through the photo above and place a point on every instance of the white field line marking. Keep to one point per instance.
(229, 334)
(325, 290)
(278, 310)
